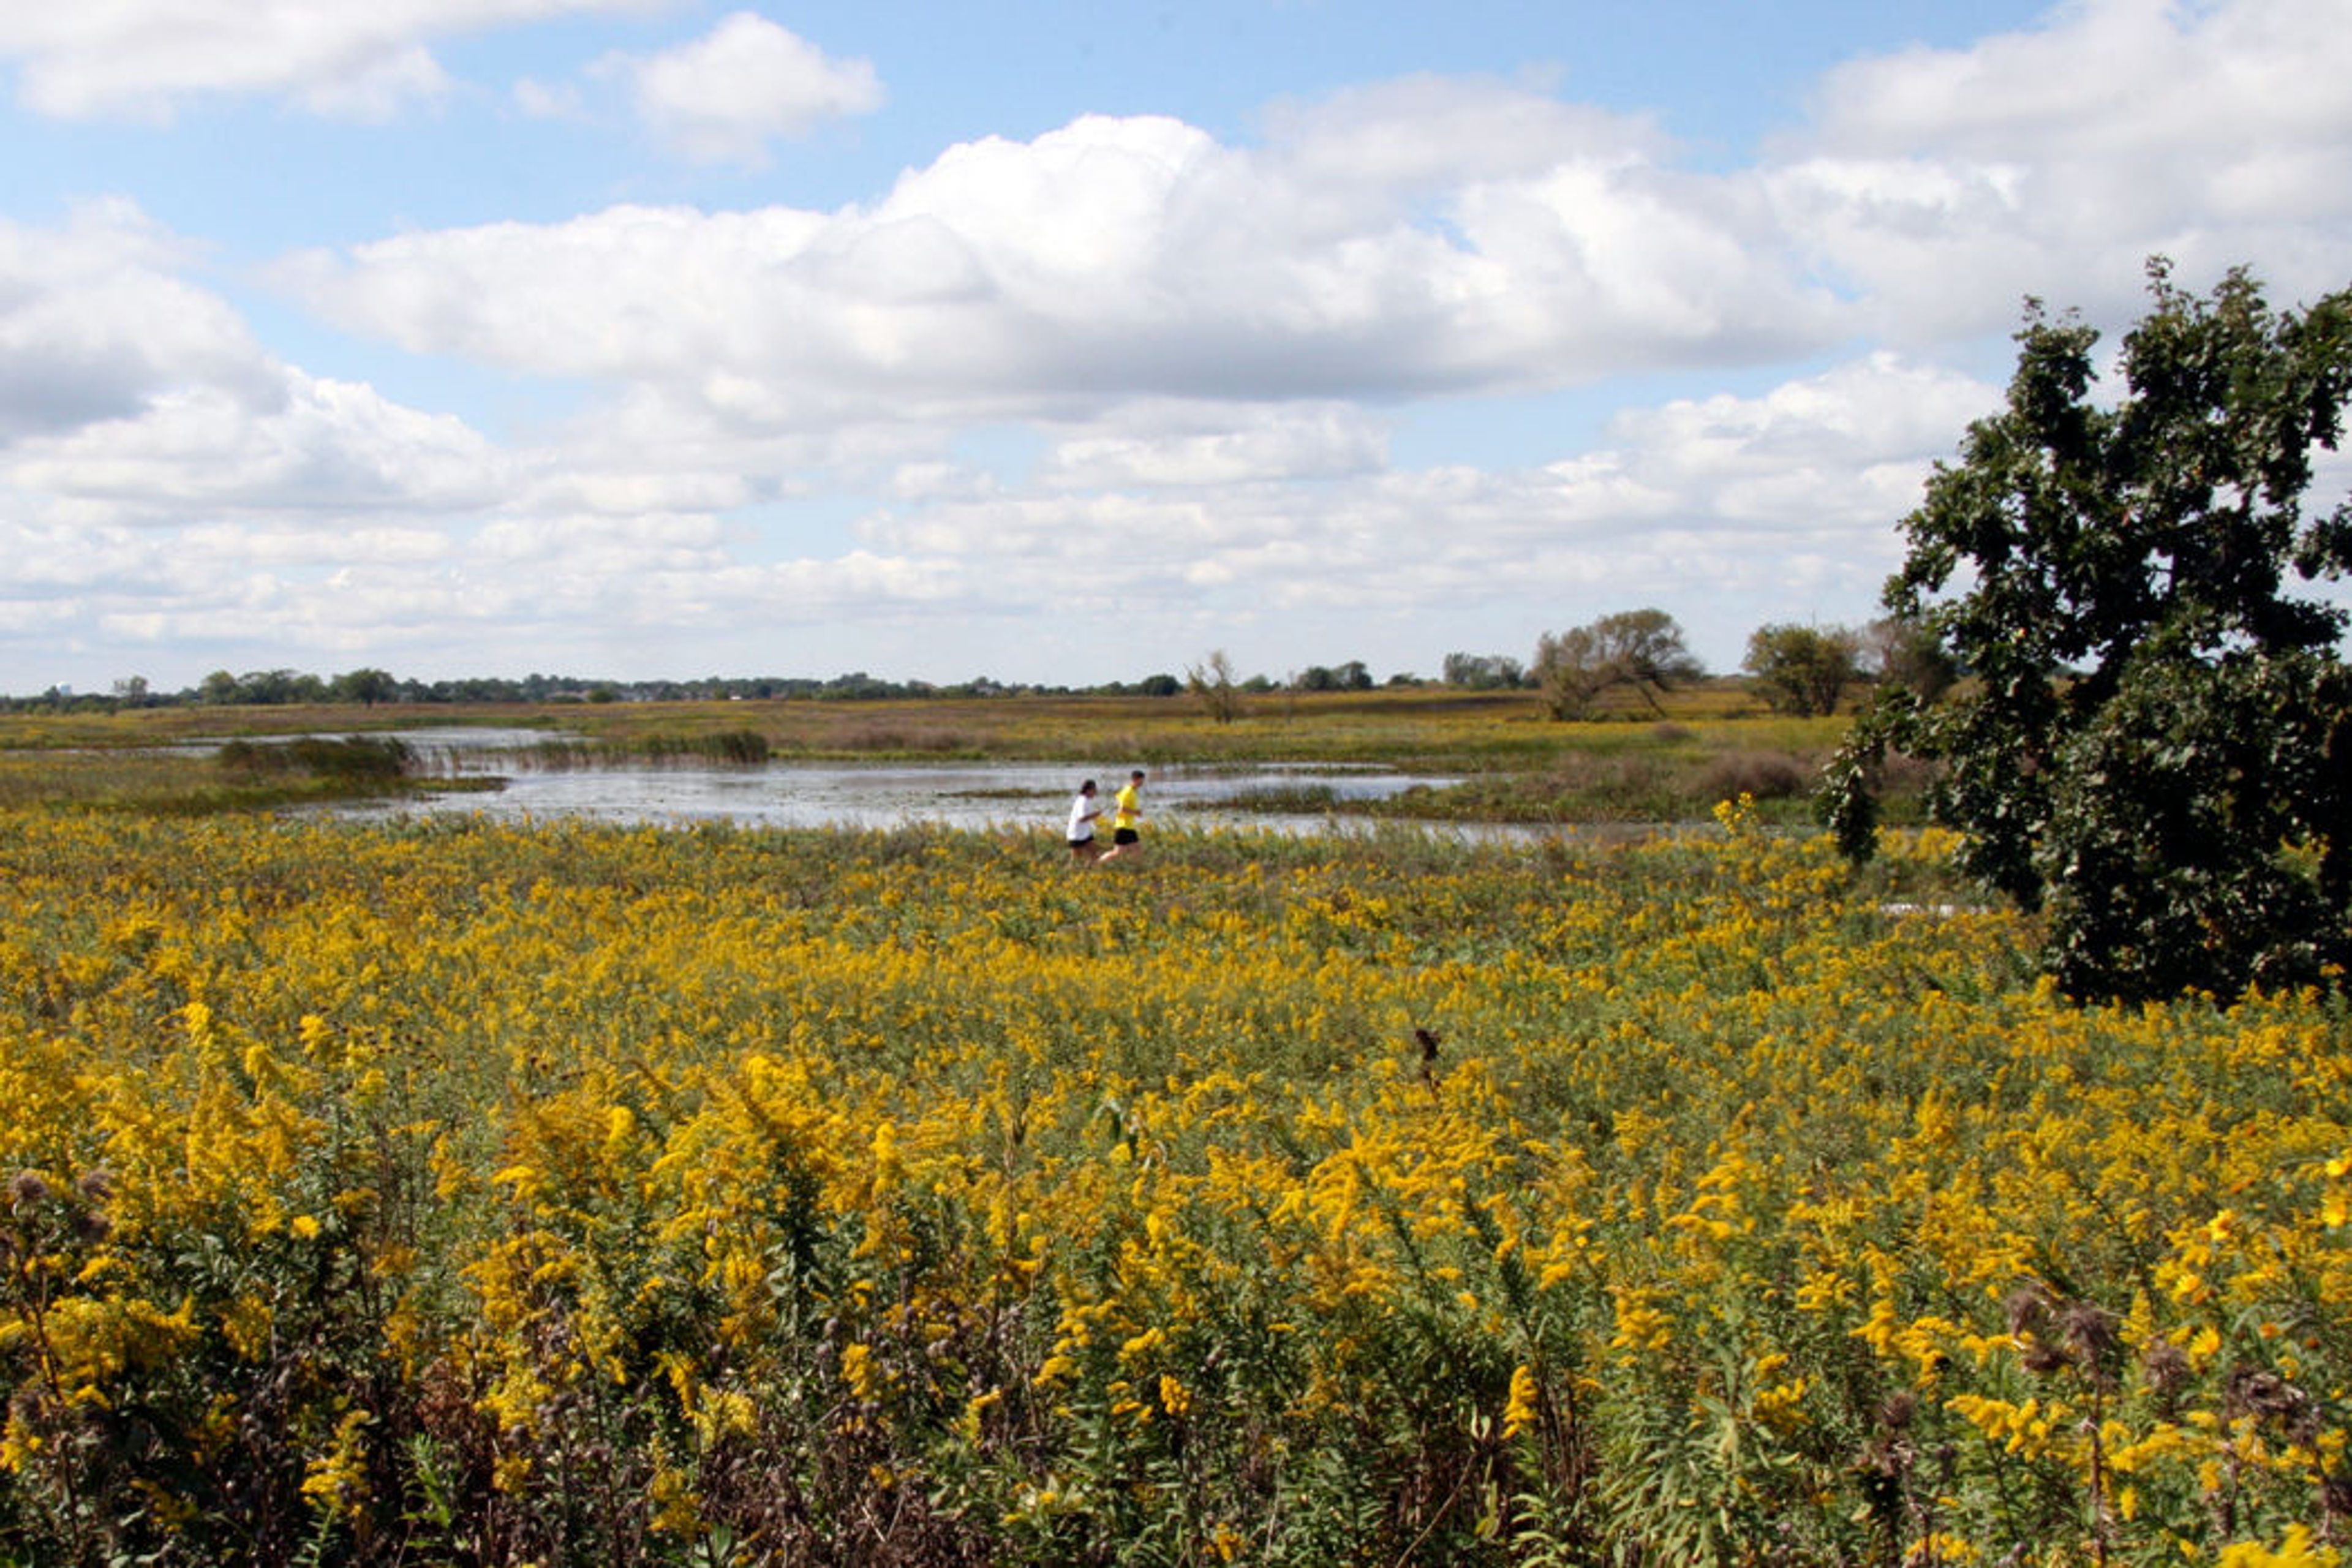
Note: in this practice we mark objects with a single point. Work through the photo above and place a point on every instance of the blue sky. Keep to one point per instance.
(655, 337)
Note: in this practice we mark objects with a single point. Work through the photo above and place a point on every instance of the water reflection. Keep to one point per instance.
(861, 795)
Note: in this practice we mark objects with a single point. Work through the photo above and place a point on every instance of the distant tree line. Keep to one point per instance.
(1641, 653)
(285, 687)
(368, 687)
(1800, 670)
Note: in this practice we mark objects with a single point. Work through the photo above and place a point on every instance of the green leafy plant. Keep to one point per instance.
(2153, 744)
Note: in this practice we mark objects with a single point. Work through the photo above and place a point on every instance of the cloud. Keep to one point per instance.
(1844, 452)
(129, 395)
(2120, 78)
(1431, 134)
(722, 97)
(377, 87)
(592, 547)
(94, 324)
(1944, 184)
(548, 100)
(1131, 374)
(142, 58)
(166, 484)
(1425, 237)
(333, 451)
(1161, 445)
(1124, 257)
(1693, 499)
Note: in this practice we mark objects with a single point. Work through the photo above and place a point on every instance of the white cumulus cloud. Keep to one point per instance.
(1127, 383)
(1944, 184)
(95, 323)
(143, 58)
(723, 97)
(1121, 257)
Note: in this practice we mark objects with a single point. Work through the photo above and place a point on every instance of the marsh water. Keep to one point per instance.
(849, 794)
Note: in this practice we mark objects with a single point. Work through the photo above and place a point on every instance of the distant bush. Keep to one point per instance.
(1766, 775)
(1483, 672)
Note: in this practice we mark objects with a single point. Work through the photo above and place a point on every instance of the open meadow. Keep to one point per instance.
(460, 1193)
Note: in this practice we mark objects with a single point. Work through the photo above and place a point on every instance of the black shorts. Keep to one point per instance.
(1082, 843)
(1126, 835)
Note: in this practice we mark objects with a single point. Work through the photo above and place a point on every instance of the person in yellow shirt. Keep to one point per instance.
(1125, 838)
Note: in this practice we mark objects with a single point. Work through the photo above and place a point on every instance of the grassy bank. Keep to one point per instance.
(241, 774)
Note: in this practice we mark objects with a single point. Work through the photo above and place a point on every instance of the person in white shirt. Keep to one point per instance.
(1084, 811)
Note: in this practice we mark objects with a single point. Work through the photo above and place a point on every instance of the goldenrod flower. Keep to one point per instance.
(1522, 1412)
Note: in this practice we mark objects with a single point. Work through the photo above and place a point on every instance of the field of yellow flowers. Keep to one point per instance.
(459, 1193)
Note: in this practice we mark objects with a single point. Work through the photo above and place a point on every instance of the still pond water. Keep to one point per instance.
(812, 795)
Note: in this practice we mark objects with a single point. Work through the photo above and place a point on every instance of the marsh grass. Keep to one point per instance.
(67, 777)
(1298, 799)
(241, 774)
(1627, 784)
(738, 747)
(1713, 742)
(348, 759)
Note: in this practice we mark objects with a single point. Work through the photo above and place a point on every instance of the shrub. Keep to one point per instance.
(1766, 775)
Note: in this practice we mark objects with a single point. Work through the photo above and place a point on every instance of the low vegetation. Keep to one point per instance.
(462, 1193)
(1718, 742)
(360, 759)
(741, 747)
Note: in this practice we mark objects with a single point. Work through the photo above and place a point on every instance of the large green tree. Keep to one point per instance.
(2155, 743)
